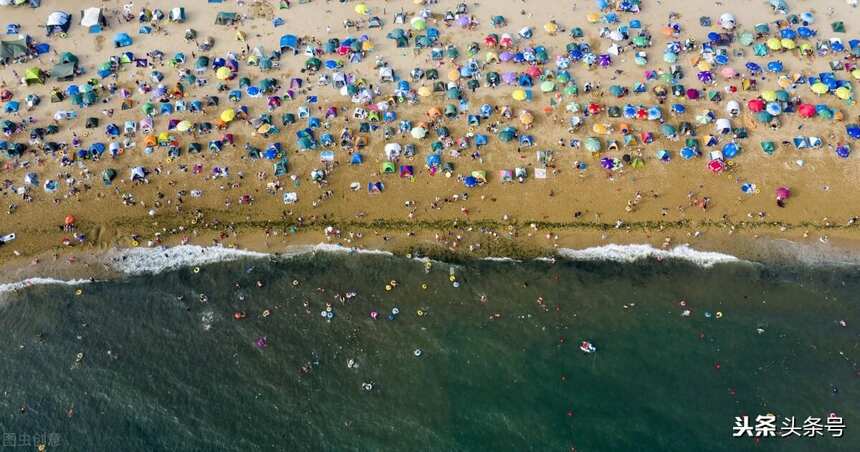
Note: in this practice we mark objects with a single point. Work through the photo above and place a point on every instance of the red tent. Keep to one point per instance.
(533, 71)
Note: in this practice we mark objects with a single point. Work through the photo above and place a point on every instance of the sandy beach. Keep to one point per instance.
(642, 199)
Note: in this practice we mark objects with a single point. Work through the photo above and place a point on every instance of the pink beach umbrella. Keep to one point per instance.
(728, 72)
(783, 193)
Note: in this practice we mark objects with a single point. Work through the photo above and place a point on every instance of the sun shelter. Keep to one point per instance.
(226, 18)
(93, 20)
(58, 22)
(122, 40)
(289, 42)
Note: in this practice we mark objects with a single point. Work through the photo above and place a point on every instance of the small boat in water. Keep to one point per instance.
(587, 347)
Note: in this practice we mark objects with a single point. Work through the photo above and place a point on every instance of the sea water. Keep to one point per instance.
(158, 361)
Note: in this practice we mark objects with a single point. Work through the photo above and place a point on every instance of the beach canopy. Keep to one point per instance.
(14, 49)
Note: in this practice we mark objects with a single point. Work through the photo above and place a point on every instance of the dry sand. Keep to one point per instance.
(568, 209)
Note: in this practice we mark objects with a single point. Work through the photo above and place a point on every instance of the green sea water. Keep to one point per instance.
(499, 368)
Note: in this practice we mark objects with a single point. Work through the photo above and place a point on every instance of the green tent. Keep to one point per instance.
(313, 64)
(14, 49)
(34, 76)
(63, 71)
(388, 167)
(838, 26)
(226, 18)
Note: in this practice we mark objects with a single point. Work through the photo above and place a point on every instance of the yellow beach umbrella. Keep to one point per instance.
(228, 115)
(600, 129)
(418, 23)
(424, 91)
(774, 44)
(223, 73)
(453, 75)
(819, 88)
(163, 137)
(783, 81)
(264, 128)
(856, 74)
(550, 27)
(183, 126)
(592, 18)
(366, 46)
(703, 66)
(361, 8)
(518, 94)
(788, 44)
(843, 93)
(768, 95)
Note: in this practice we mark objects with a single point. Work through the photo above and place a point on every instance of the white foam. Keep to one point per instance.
(500, 259)
(135, 261)
(29, 282)
(332, 248)
(632, 253)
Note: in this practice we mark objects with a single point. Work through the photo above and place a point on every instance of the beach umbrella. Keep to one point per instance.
(362, 9)
(424, 91)
(668, 130)
(228, 115)
(819, 88)
(727, 21)
(506, 56)
(705, 76)
(716, 166)
(730, 150)
(806, 110)
(418, 132)
(463, 21)
(418, 23)
(853, 131)
(592, 144)
(526, 117)
(753, 67)
(183, 126)
(692, 94)
(783, 193)
(688, 153)
(763, 116)
(223, 73)
(775, 66)
(824, 111)
(843, 151)
(774, 44)
(788, 43)
(773, 108)
(547, 86)
(453, 75)
(551, 27)
(470, 181)
(654, 113)
(518, 94)
(664, 155)
(843, 93)
(768, 95)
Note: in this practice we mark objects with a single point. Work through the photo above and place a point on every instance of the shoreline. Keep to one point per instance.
(80, 265)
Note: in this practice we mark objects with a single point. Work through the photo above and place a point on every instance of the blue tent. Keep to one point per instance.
(481, 140)
(853, 131)
(357, 159)
(470, 181)
(122, 40)
(290, 42)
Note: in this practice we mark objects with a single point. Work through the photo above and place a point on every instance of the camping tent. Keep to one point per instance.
(14, 49)
(63, 71)
(33, 76)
